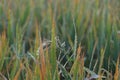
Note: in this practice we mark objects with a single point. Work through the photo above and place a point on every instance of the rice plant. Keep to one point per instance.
(59, 40)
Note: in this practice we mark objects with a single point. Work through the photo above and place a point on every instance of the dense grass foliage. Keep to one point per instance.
(84, 39)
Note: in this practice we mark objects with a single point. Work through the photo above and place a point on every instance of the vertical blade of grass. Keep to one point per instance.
(10, 25)
(42, 62)
(37, 72)
(3, 49)
(117, 71)
(25, 14)
(48, 65)
(101, 59)
(14, 69)
(75, 40)
(37, 38)
(77, 70)
(53, 49)
(18, 72)
(92, 55)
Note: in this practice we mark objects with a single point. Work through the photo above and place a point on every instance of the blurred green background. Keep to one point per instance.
(95, 21)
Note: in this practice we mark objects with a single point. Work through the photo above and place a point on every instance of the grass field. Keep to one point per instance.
(59, 39)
